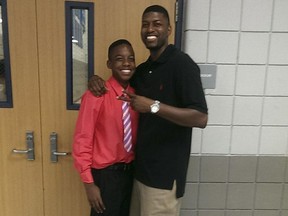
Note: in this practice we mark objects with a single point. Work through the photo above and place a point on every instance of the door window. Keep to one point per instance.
(5, 78)
(79, 50)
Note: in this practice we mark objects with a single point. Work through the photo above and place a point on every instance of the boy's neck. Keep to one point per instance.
(124, 84)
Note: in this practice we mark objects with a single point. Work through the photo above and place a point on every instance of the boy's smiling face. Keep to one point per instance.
(122, 63)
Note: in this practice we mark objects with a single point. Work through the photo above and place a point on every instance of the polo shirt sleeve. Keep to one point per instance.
(189, 85)
(84, 135)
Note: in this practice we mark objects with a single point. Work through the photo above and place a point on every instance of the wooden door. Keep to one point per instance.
(38, 70)
(21, 181)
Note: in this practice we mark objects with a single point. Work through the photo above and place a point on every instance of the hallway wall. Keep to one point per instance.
(239, 162)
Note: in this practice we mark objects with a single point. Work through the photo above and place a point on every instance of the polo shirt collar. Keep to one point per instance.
(164, 56)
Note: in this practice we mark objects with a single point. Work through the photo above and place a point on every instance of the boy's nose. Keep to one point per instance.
(126, 62)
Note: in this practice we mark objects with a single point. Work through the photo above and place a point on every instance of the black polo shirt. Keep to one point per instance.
(163, 148)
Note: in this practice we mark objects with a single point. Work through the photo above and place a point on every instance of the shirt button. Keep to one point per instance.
(150, 72)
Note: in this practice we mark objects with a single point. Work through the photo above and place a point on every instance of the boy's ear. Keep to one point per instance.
(108, 63)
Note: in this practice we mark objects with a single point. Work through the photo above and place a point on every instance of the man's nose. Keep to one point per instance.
(150, 27)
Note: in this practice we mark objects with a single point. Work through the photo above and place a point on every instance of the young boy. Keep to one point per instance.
(101, 155)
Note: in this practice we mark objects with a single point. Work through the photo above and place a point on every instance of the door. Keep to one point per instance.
(21, 181)
(38, 74)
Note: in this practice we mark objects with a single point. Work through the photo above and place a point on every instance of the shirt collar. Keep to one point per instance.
(164, 56)
(116, 86)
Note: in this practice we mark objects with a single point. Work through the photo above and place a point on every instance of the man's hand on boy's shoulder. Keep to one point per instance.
(97, 85)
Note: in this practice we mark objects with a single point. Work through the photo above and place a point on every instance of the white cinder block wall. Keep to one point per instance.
(248, 41)
(239, 163)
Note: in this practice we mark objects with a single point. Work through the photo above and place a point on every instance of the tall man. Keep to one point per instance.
(171, 101)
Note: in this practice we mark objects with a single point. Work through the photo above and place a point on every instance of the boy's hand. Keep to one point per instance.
(97, 86)
(94, 197)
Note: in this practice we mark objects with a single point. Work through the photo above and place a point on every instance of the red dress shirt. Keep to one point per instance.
(98, 137)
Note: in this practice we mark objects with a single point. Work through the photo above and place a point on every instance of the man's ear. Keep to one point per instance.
(108, 63)
(169, 30)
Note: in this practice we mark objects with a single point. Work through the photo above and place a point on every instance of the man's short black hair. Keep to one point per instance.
(158, 9)
(117, 43)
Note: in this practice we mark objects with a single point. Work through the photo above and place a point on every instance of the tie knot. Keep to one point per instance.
(124, 95)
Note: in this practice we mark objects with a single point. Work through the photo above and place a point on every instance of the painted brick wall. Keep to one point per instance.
(239, 161)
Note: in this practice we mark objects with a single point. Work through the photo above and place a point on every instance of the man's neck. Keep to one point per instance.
(155, 54)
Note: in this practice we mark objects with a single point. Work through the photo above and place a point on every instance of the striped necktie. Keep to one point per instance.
(127, 126)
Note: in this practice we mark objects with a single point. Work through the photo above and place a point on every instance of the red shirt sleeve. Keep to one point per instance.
(84, 133)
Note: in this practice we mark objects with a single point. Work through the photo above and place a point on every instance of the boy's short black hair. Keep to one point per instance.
(159, 9)
(117, 43)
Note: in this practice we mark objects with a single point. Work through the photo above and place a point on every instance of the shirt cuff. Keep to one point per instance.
(86, 176)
